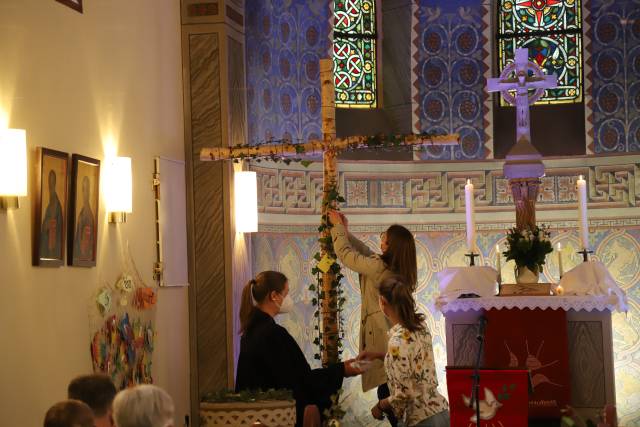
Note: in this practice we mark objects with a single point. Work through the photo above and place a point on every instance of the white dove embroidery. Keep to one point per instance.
(488, 407)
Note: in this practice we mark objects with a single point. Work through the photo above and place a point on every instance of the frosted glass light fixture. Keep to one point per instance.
(246, 201)
(13, 167)
(118, 188)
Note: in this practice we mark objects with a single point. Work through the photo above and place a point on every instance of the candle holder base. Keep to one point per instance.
(585, 254)
(472, 258)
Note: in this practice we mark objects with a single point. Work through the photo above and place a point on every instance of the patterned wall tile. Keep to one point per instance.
(284, 44)
(295, 189)
(451, 58)
(614, 34)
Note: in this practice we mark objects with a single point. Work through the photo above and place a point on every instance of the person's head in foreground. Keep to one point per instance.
(270, 293)
(97, 391)
(69, 413)
(144, 405)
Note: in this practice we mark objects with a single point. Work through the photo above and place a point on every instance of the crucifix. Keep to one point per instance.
(524, 166)
(329, 146)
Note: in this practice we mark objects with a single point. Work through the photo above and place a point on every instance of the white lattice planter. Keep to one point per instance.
(271, 413)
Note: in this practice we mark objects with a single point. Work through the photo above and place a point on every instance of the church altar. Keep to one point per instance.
(588, 333)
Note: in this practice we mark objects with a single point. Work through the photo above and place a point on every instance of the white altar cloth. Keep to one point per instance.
(587, 303)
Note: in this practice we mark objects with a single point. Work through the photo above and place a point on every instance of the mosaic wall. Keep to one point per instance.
(614, 74)
(298, 190)
(285, 40)
(451, 61)
(618, 249)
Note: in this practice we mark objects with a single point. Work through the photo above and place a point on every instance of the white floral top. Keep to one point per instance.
(411, 375)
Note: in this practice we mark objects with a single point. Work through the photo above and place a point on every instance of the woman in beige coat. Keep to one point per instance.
(398, 258)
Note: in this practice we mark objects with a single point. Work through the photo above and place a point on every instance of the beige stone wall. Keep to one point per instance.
(80, 83)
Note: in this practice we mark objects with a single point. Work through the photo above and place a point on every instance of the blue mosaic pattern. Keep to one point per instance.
(615, 47)
(618, 249)
(450, 56)
(285, 41)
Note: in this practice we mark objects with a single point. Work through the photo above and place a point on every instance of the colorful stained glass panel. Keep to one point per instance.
(354, 16)
(354, 53)
(524, 16)
(551, 30)
(560, 54)
(354, 72)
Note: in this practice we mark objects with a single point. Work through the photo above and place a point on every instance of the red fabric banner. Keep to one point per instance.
(535, 340)
(504, 397)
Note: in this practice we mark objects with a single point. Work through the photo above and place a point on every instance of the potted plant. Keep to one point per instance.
(269, 408)
(528, 248)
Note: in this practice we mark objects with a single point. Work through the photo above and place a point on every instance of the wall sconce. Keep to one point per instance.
(13, 167)
(246, 201)
(118, 192)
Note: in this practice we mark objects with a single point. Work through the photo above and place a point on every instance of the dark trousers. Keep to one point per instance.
(383, 393)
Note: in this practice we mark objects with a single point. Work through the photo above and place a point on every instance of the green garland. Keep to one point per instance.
(332, 199)
(247, 396)
(335, 412)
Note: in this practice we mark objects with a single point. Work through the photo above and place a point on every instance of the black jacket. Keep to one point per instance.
(271, 359)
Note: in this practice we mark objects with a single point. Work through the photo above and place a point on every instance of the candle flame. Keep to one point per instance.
(468, 181)
(559, 246)
(581, 178)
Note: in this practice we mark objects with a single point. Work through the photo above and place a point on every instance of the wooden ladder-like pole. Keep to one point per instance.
(329, 304)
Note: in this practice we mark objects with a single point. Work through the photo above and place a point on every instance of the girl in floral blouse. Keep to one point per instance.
(408, 362)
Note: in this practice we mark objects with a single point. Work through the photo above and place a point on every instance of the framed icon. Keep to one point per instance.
(82, 240)
(50, 207)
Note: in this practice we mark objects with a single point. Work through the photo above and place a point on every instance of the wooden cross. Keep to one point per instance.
(329, 146)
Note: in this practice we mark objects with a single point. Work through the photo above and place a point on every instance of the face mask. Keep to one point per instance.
(286, 306)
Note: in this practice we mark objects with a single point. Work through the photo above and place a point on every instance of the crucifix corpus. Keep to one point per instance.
(524, 166)
(329, 146)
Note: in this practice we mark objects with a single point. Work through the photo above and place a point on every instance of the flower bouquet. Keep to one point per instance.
(528, 248)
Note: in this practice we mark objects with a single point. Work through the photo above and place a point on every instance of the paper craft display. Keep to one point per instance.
(456, 281)
(104, 300)
(125, 284)
(325, 263)
(144, 298)
(123, 350)
(592, 278)
(503, 397)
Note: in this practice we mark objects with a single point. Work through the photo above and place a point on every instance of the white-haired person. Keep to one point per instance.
(144, 405)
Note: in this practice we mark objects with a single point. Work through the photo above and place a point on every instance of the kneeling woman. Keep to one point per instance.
(409, 363)
(269, 356)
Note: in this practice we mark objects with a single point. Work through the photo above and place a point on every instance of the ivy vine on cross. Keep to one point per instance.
(328, 286)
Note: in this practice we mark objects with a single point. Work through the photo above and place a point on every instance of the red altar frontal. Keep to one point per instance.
(564, 343)
(503, 396)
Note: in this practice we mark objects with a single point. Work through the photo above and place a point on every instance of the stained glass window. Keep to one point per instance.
(552, 31)
(354, 53)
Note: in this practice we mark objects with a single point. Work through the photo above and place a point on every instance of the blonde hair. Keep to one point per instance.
(143, 406)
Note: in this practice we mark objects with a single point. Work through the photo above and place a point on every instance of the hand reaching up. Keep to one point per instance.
(335, 217)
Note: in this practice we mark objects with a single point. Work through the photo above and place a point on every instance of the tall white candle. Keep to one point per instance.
(583, 225)
(560, 259)
(499, 262)
(471, 222)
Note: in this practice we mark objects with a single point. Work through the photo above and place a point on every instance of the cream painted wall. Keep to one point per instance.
(75, 81)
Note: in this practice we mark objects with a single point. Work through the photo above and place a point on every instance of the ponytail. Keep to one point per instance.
(246, 305)
(400, 296)
(256, 290)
